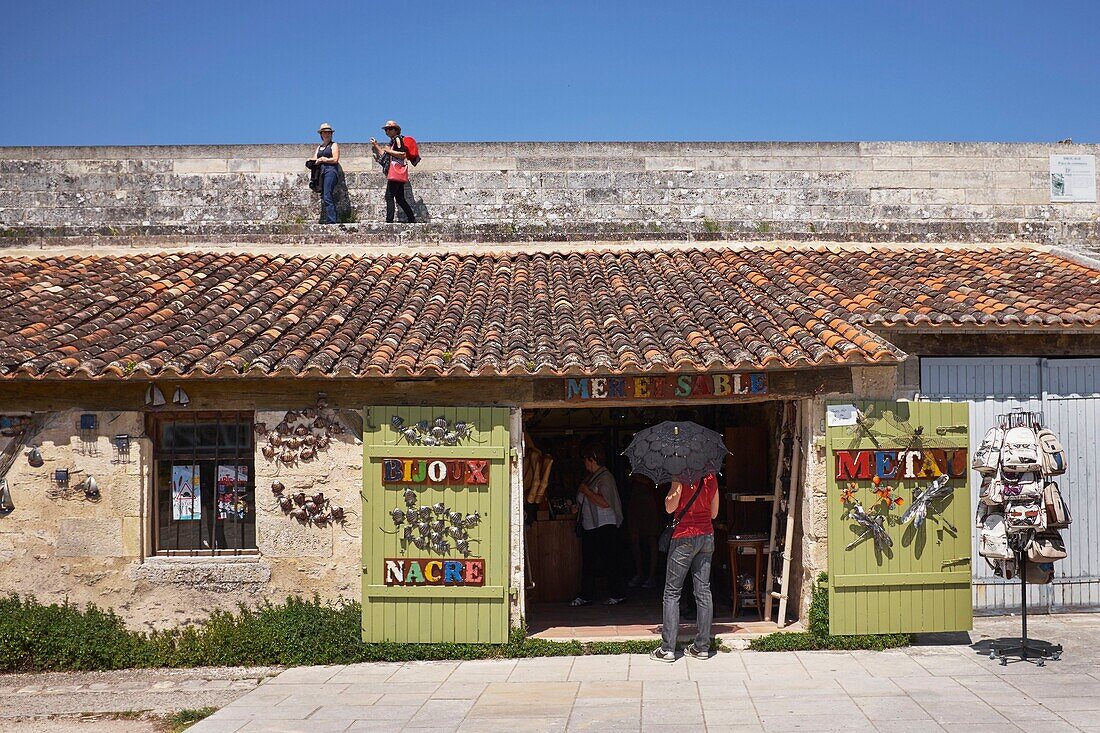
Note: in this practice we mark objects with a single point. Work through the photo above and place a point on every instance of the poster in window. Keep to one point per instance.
(232, 481)
(186, 494)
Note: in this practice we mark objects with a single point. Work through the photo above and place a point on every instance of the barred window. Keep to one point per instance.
(205, 483)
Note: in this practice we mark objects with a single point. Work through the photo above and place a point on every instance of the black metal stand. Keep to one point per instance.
(1025, 650)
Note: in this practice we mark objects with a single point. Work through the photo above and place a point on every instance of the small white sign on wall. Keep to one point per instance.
(836, 415)
(1072, 178)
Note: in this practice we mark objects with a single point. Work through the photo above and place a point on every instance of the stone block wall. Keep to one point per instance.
(905, 191)
(58, 548)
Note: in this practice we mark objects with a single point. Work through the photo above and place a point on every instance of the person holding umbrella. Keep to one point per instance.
(695, 506)
(689, 456)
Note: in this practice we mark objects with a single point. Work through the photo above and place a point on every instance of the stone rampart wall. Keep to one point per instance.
(506, 191)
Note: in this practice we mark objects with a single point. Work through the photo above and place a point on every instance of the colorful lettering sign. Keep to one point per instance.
(900, 463)
(435, 471)
(686, 386)
(430, 571)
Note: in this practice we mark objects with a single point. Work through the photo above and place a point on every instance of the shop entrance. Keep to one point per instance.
(554, 440)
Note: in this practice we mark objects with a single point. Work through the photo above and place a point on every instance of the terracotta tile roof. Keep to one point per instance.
(203, 314)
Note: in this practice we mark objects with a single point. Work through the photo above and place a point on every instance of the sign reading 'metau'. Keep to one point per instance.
(685, 386)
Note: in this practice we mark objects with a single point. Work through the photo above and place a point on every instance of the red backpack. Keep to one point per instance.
(412, 150)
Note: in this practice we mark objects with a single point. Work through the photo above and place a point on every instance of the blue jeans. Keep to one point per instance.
(684, 554)
(328, 182)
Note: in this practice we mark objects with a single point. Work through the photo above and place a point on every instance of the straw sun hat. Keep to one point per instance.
(325, 127)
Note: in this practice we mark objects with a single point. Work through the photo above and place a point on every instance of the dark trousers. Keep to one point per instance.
(395, 191)
(601, 557)
(328, 183)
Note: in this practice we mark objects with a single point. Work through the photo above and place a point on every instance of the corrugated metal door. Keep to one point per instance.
(920, 582)
(452, 611)
(1067, 392)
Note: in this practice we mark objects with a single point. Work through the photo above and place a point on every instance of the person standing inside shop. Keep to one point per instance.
(694, 506)
(601, 514)
(643, 521)
(395, 166)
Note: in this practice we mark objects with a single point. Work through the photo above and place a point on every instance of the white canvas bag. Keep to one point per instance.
(1058, 516)
(993, 539)
(1020, 453)
(988, 455)
(1019, 486)
(1053, 455)
(992, 491)
(1025, 515)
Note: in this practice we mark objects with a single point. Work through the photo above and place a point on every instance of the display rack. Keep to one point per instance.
(1025, 649)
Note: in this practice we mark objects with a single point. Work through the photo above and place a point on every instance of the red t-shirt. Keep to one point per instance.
(697, 521)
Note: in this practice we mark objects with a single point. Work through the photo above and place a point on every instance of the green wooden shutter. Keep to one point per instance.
(464, 614)
(922, 583)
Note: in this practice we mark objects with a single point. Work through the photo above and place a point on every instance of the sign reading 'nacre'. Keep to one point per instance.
(426, 571)
(439, 471)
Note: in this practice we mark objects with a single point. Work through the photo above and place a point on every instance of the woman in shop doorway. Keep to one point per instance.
(601, 514)
(393, 159)
(691, 550)
(643, 520)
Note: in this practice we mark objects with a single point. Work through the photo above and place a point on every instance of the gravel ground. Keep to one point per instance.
(33, 702)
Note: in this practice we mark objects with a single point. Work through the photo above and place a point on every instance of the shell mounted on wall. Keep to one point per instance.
(301, 435)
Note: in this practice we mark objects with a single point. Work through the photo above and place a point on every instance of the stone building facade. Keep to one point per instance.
(117, 257)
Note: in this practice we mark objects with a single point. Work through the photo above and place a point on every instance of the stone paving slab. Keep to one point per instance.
(944, 684)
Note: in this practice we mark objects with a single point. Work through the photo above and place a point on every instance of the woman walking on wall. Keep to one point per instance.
(328, 158)
(394, 159)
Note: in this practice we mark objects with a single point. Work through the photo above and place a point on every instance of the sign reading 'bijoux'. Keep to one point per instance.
(440, 471)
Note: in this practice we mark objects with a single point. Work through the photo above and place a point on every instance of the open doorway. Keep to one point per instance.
(553, 548)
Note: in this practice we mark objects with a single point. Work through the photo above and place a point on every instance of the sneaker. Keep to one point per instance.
(579, 601)
(695, 652)
(613, 601)
(635, 581)
(661, 655)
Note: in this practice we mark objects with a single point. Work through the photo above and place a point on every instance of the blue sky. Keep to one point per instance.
(192, 71)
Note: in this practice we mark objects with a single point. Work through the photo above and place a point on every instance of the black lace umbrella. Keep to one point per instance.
(676, 451)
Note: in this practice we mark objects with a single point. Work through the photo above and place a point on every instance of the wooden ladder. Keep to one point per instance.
(788, 466)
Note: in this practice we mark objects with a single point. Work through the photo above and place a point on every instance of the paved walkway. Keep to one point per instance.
(946, 687)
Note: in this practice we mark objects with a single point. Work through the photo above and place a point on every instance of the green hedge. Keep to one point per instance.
(818, 637)
(35, 637)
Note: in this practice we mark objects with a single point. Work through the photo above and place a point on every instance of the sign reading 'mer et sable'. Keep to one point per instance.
(685, 386)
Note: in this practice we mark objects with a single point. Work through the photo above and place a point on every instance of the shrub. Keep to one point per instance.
(818, 637)
(62, 636)
(34, 638)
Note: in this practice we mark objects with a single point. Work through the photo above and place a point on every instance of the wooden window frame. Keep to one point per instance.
(154, 422)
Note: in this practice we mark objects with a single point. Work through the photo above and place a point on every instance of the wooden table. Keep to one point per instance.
(760, 547)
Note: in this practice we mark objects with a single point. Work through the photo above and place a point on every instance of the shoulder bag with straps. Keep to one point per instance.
(665, 540)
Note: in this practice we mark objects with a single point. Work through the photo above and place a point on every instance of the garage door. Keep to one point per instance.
(1067, 392)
